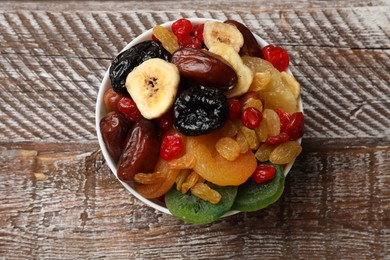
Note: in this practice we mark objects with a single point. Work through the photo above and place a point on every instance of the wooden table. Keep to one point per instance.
(58, 198)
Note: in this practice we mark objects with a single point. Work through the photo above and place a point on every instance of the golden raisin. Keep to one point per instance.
(228, 148)
(180, 179)
(242, 142)
(190, 181)
(260, 81)
(149, 178)
(187, 161)
(290, 82)
(285, 152)
(203, 191)
(272, 121)
(262, 154)
(167, 38)
(256, 103)
(229, 129)
(250, 136)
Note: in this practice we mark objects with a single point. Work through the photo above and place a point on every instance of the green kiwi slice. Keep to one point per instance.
(252, 196)
(194, 210)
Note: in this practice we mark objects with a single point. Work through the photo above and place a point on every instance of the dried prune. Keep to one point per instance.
(200, 110)
(141, 150)
(127, 60)
(204, 68)
(114, 128)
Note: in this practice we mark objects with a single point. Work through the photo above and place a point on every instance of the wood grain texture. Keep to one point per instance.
(58, 199)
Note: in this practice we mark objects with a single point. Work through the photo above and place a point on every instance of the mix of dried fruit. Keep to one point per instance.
(202, 118)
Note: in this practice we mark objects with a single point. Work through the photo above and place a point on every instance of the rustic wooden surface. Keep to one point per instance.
(58, 199)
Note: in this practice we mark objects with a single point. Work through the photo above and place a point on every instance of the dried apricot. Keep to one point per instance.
(213, 167)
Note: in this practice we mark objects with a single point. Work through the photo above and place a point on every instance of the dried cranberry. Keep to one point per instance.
(154, 38)
(165, 122)
(251, 117)
(190, 41)
(198, 32)
(129, 109)
(263, 173)
(284, 119)
(181, 28)
(277, 139)
(172, 147)
(277, 56)
(295, 127)
(235, 108)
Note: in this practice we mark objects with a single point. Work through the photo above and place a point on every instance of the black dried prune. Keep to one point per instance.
(127, 60)
(200, 110)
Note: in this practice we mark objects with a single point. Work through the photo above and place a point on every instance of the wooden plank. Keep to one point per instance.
(328, 209)
(340, 56)
(161, 5)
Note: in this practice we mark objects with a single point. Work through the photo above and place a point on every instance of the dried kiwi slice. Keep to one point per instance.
(252, 196)
(193, 210)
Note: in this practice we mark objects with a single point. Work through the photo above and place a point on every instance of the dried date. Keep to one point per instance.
(141, 150)
(204, 68)
(114, 128)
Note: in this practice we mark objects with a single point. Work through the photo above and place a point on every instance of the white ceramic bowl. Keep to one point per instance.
(101, 112)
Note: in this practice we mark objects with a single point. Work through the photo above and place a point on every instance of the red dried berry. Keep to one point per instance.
(172, 147)
(251, 117)
(295, 127)
(277, 56)
(277, 139)
(165, 122)
(198, 32)
(181, 28)
(284, 119)
(263, 173)
(235, 108)
(129, 109)
(190, 41)
(154, 38)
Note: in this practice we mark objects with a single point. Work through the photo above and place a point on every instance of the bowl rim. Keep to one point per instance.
(100, 112)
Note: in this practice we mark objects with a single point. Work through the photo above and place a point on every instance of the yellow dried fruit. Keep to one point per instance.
(229, 129)
(262, 131)
(190, 181)
(149, 178)
(272, 121)
(290, 82)
(167, 38)
(204, 192)
(181, 178)
(276, 94)
(242, 142)
(256, 103)
(187, 161)
(285, 152)
(260, 81)
(262, 154)
(228, 148)
(250, 136)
